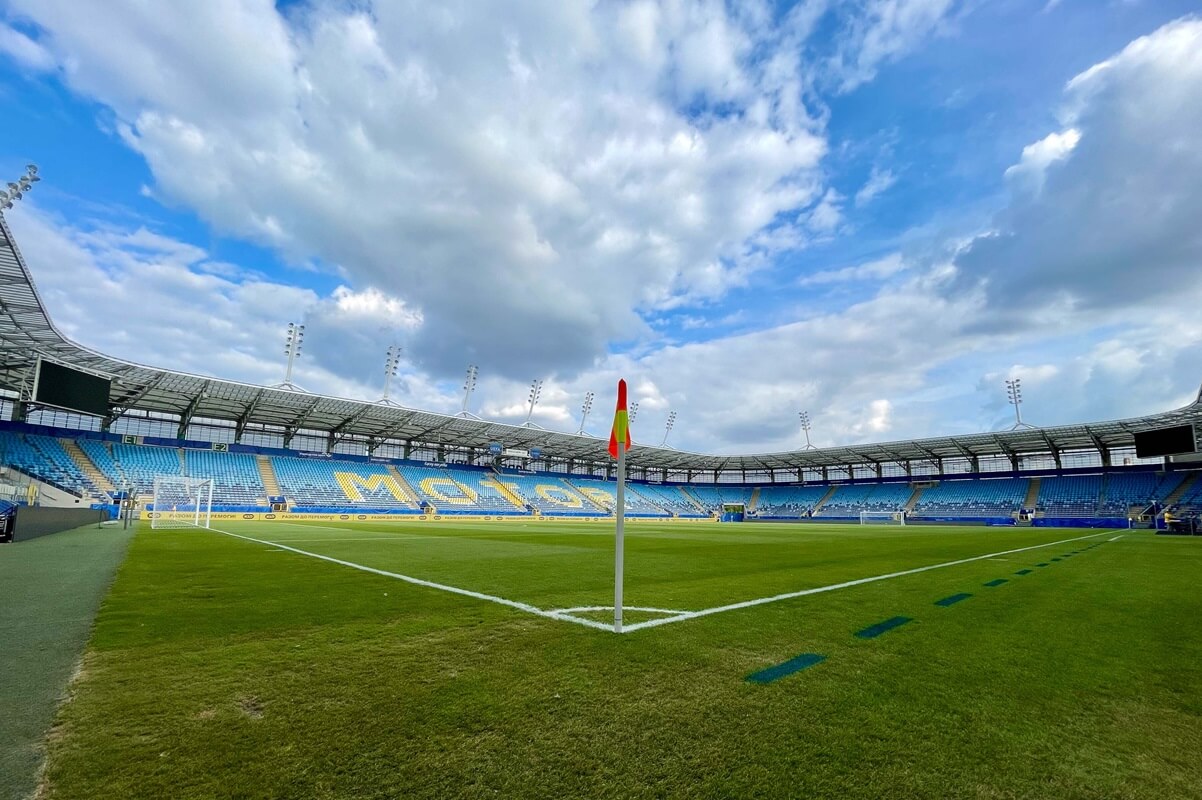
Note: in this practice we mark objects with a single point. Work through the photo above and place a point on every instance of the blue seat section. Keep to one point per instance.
(1141, 489)
(328, 484)
(605, 494)
(102, 456)
(975, 498)
(235, 476)
(138, 465)
(789, 501)
(848, 501)
(714, 497)
(458, 491)
(550, 496)
(44, 458)
(1074, 496)
(669, 498)
(1191, 498)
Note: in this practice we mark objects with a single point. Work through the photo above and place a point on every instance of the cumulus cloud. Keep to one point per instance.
(1114, 220)
(877, 270)
(884, 32)
(24, 50)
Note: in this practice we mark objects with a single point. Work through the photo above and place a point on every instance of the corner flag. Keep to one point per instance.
(621, 429)
(619, 443)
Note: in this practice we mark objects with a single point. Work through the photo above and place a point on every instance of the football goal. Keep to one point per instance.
(181, 502)
(882, 517)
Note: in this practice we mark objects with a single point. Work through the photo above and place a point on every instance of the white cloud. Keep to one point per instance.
(879, 181)
(884, 31)
(1028, 173)
(25, 51)
(877, 270)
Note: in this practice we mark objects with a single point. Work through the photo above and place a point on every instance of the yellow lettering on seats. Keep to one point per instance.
(350, 483)
(598, 496)
(566, 497)
(463, 496)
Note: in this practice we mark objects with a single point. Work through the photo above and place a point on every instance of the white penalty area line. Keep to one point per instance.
(846, 584)
(567, 614)
(529, 609)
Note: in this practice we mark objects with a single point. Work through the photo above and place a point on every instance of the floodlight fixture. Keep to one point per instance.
(469, 386)
(536, 392)
(805, 426)
(668, 428)
(585, 409)
(1014, 395)
(392, 363)
(293, 343)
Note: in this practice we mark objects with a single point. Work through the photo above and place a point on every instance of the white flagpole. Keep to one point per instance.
(620, 512)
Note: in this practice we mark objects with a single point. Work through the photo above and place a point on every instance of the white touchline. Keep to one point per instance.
(789, 595)
(429, 584)
(1115, 539)
(679, 616)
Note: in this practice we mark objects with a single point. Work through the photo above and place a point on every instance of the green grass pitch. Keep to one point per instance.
(221, 667)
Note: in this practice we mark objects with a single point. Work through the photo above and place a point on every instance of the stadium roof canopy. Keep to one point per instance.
(26, 332)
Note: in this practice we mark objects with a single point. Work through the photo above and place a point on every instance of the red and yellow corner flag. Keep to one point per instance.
(621, 429)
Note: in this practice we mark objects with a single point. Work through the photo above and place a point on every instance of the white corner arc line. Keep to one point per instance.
(705, 612)
(429, 584)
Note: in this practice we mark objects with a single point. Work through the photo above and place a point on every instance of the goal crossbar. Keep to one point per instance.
(883, 517)
(181, 502)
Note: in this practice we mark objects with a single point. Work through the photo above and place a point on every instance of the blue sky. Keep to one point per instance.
(875, 211)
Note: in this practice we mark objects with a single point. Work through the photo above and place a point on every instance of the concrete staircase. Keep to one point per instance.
(755, 499)
(87, 466)
(1032, 494)
(412, 495)
(913, 501)
(1180, 491)
(603, 509)
(692, 498)
(507, 493)
(267, 474)
(183, 462)
(818, 506)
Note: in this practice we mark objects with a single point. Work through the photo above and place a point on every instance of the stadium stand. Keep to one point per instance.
(1124, 492)
(42, 457)
(714, 497)
(318, 484)
(235, 476)
(978, 498)
(604, 493)
(789, 502)
(1070, 496)
(848, 501)
(550, 496)
(138, 465)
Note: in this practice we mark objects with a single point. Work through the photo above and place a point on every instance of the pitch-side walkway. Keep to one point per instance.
(50, 590)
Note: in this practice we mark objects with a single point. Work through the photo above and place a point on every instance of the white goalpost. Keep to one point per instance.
(181, 502)
(882, 517)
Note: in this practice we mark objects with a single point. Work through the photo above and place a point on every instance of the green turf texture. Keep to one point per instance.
(50, 589)
(225, 668)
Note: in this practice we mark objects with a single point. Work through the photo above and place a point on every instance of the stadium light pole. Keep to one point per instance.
(634, 411)
(587, 407)
(668, 428)
(1014, 394)
(536, 392)
(805, 426)
(469, 386)
(293, 345)
(17, 189)
(392, 363)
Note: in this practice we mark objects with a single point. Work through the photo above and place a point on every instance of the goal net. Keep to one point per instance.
(181, 502)
(882, 517)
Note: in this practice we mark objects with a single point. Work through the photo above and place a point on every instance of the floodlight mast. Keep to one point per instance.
(17, 189)
(392, 363)
(536, 392)
(469, 386)
(634, 411)
(587, 407)
(805, 426)
(293, 344)
(1014, 394)
(668, 428)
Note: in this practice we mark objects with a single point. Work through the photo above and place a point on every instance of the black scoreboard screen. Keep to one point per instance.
(1165, 442)
(63, 387)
